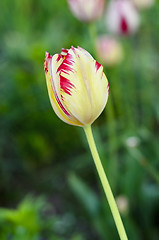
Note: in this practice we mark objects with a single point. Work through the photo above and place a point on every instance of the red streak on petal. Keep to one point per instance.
(66, 67)
(108, 88)
(73, 49)
(62, 97)
(62, 55)
(66, 85)
(124, 25)
(66, 64)
(48, 57)
(69, 60)
(58, 58)
(64, 51)
(54, 91)
(60, 104)
(97, 65)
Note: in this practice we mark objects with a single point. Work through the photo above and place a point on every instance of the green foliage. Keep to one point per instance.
(25, 222)
(30, 221)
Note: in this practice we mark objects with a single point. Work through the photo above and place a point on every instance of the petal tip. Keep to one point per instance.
(47, 59)
(97, 65)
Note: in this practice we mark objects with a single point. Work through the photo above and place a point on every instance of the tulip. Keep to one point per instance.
(77, 86)
(122, 17)
(142, 4)
(87, 10)
(78, 91)
(109, 50)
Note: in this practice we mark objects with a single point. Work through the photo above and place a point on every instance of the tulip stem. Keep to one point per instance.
(105, 183)
(93, 36)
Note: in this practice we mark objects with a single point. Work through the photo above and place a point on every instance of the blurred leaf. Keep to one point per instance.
(84, 194)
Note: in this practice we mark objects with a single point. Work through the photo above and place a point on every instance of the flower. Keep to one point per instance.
(87, 10)
(77, 86)
(109, 50)
(122, 17)
(142, 4)
(123, 204)
(132, 141)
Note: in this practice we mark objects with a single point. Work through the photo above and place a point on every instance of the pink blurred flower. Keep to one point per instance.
(109, 50)
(122, 17)
(87, 10)
(142, 4)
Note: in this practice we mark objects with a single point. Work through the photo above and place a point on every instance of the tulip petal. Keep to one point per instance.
(87, 84)
(51, 65)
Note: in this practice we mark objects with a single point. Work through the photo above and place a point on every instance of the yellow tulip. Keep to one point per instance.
(78, 91)
(77, 87)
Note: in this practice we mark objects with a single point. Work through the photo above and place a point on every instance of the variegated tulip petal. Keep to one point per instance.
(88, 86)
(52, 63)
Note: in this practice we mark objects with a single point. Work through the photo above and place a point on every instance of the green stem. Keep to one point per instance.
(93, 36)
(105, 183)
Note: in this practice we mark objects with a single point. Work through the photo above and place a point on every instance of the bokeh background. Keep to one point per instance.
(49, 188)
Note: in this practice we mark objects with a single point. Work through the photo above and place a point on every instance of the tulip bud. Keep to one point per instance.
(109, 50)
(142, 4)
(87, 10)
(77, 86)
(122, 17)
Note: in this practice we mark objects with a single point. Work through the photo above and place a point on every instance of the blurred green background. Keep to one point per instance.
(49, 188)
